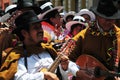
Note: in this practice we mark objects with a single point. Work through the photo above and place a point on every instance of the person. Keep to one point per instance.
(69, 16)
(32, 57)
(52, 24)
(2, 12)
(100, 41)
(74, 27)
(8, 40)
(88, 15)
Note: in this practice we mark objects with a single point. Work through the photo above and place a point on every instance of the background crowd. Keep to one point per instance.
(32, 37)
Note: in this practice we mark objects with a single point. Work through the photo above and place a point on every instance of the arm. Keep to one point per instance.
(32, 74)
(68, 69)
(76, 51)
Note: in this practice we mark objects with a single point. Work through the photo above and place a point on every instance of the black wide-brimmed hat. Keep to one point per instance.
(22, 4)
(25, 19)
(106, 9)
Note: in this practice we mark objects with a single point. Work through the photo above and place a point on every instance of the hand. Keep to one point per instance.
(50, 76)
(117, 78)
(4, 30)
(83, 76)
(64, 62)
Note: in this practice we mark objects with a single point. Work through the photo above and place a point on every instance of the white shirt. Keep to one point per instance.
(36, 63)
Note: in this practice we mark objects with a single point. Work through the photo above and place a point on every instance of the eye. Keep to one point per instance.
(37, 26)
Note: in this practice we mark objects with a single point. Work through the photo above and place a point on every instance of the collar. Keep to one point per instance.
(96, 30)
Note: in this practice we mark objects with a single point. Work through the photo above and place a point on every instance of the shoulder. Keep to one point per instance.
(80, 34)
(49, 48)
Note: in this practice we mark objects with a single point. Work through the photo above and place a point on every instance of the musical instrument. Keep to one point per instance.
(94, 68)
(64, 51)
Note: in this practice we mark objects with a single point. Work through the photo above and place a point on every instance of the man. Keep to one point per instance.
(52, 24)
(29, 60)
(8, 40)
(100, 41)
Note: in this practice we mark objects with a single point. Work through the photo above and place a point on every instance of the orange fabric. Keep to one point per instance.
(48, 25)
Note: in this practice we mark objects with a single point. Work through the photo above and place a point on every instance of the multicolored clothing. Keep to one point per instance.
(103, 46)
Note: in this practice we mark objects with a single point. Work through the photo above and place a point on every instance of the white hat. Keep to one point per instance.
(79, 18)
(68, 14)
(62, 14)
(10, 7)
(6, 16)
(71, 23)
(88, 12)
(48, 7)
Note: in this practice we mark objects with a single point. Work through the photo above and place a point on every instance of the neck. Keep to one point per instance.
(99, 28)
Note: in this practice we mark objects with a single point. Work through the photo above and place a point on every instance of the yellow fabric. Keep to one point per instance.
(9, 67)
(47, 35)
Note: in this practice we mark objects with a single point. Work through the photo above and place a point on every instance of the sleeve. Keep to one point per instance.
(72, 69)
(76, 52)
(23, 74)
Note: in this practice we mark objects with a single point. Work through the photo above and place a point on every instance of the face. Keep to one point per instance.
(69, 19)
(105, 24)
(35, 34)
(57, 20)
(77, 29)
(87, 18)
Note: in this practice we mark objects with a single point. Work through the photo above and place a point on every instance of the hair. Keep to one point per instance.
(49, 15)
(2, 12)
(74, 26)
(70, 16)
(20, 28)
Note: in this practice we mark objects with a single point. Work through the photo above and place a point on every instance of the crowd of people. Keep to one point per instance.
(43, 43)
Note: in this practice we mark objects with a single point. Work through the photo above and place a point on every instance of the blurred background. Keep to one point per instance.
(69, 5)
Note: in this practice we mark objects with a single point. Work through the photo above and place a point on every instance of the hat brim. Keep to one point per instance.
(92, 16)
(115, 16)
(41, 16)
(68, 14)
(17, 29)
(70, 23)
(12, 10)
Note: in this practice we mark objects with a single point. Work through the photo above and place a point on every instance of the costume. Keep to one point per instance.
(49, 31)
(37, 63)
(34, 61)
(90, 41)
